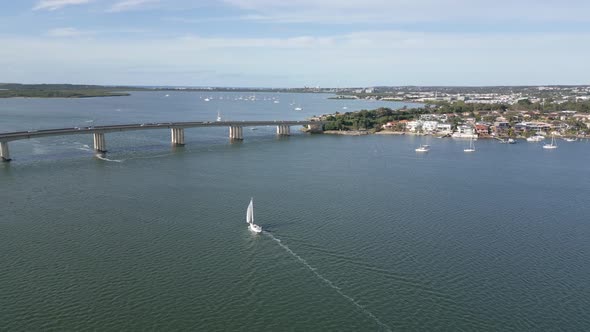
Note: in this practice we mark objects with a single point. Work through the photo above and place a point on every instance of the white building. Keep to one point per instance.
(429, 126)
(444, 128)
(464, 131)
(413, 126)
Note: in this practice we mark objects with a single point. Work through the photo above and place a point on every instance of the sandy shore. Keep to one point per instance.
(347, 132)
(384, 132)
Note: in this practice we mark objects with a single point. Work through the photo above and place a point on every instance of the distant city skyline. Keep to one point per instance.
(265, 43)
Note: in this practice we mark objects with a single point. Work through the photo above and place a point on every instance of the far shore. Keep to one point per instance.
(362, 132)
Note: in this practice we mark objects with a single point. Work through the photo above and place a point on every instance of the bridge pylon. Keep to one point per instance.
(4, 153)
(177, 136)
(100, 144)
(236, 133)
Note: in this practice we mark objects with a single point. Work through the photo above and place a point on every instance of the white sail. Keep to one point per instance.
(250, 212)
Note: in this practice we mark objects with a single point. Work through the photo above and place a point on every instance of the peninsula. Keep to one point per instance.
(459, 119)
(13, 90)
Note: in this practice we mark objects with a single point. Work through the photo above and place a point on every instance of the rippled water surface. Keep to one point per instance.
(361, 233)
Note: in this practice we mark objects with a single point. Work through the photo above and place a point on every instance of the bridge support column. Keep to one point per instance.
(4, 153)
(236, 133)
(283, 130)
(100, 143)
(177, 135)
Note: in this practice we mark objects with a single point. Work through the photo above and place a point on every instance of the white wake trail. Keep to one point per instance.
(107, 159)
(328, 282)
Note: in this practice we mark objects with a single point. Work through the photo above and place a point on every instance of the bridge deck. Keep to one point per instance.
(13, 136)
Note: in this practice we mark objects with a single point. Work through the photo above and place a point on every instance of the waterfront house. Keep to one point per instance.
(413, 126)
(482, 129)
(501, 127)
(464, 131)
(532, 127)
(444, 128)
(429, 126)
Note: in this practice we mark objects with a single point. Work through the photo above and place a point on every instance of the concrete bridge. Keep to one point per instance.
(176, 131)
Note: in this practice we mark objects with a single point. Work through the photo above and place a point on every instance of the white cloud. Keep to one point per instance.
(126, 5)
(67, 32)
(360, 58)
(57, 4)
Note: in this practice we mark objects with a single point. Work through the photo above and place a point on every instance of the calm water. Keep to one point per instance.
(361, 232)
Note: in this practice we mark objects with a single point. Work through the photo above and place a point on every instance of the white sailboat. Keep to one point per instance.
(471, 147)
(551, 145)
(250, 218)
(218, 116)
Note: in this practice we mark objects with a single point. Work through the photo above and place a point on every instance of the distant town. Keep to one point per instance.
(509, 95)
(470, 112)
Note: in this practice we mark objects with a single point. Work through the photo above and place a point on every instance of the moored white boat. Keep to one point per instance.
(536, 138)
(423, 148)
(471, 147)
(550, 145)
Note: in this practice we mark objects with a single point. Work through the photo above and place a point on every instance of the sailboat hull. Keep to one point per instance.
(552, 145)
(255, 228)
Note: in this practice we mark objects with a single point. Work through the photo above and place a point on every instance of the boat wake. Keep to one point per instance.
(85, 147)
(328, 282)
(107, 159)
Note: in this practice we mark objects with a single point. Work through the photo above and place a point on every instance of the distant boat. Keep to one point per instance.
(536, 138)
(167, 95)
(511, 141)
(569, 139)
(206, 99)
(218, 116)
(344, 107)
(551, 145)
(276, 101)
(250, 218)
(423, 148)
(298, 108)
(471, 147)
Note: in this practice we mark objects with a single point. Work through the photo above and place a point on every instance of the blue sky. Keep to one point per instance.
(275, 43)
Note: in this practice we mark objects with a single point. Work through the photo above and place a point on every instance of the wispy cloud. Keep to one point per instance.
(127, 5)
(403, 11)
(57, 4)
(361, 58)
(67, 32)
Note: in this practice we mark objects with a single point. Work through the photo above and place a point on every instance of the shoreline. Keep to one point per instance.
(401, 133)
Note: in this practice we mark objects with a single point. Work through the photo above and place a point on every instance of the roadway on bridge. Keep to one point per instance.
(13, 136)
